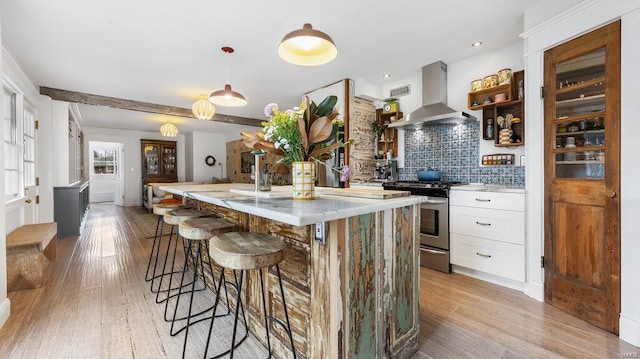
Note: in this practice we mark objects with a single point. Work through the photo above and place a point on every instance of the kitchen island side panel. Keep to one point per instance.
(337, 291)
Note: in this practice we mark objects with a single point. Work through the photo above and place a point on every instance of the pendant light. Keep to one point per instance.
(169, 130)
(203, 110)
(227, 97)
(307, 47)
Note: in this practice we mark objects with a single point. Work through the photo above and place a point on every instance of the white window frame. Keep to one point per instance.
(18, 134)
(113, 163)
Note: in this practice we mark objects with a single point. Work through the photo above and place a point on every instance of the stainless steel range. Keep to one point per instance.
(434, 220)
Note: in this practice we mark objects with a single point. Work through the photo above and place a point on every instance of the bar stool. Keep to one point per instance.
(245, 251)
(173, 218)
(159, 210)
(198, 231)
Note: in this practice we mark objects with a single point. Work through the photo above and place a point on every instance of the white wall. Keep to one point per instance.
(60, 136)
(208, 144)
(459, 77)
(587, 16)
(132, 157)
(5, 305)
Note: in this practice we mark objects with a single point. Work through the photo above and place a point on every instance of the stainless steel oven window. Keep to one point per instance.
(429, 221)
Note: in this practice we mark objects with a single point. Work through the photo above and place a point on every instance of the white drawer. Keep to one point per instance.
(499, 225)
(491, 200)
(498, 258)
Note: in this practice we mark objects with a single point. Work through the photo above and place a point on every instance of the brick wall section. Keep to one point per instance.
(363, 113)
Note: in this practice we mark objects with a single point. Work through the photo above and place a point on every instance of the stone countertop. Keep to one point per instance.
(489, 188)
(283, 208)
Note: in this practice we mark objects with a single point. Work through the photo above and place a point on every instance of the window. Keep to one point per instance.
(29, 142)
(19, 143)
(11, 147)
(104, 161)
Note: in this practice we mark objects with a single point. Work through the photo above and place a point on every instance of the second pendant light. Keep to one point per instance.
(227, 97)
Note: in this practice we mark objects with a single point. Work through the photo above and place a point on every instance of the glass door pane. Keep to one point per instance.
(150, 164)
(169, 160)
(580, 117)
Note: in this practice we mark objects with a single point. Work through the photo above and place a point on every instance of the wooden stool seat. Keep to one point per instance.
(162, 208)
(246, 250)
(173, 217)
(201, 228)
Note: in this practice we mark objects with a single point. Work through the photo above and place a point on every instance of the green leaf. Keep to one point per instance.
(326, 106)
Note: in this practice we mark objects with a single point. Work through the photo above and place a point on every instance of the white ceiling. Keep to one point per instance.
(168, 52)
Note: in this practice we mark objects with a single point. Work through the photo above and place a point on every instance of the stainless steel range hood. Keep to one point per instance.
(434, 101)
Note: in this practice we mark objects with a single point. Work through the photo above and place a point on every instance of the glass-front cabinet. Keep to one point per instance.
(580, 116)
(159, 161)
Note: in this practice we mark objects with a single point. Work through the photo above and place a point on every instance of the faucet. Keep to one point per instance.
(256, 173)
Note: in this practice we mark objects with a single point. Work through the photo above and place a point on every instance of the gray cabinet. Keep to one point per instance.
(70, 204)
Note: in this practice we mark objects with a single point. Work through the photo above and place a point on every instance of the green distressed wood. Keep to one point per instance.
(404, 271)
(361, 276)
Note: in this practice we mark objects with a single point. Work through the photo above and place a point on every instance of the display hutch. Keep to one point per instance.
(388, 139)
(514, 104)
(159, 161)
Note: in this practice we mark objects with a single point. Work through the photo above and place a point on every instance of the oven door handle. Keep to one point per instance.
(433, 252)
(432, 201)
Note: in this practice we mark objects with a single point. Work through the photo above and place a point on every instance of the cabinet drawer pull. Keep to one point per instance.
(483, 200)
(484, 255)
(483, 224)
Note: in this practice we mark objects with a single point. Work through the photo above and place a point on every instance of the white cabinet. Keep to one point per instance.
(487, 232)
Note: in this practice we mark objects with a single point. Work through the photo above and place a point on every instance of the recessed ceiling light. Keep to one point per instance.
(386, 76)
(476, 44)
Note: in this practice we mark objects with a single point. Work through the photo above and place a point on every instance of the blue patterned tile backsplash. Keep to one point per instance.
(454, 150)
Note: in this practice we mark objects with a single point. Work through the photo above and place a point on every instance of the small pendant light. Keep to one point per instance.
(169, 130)
(203, 110)
(307, 47)
(227, 97)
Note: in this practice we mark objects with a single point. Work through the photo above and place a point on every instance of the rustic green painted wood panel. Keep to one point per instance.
(362, 281)
(404, 272)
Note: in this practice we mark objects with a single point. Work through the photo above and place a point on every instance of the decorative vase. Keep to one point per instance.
(505, 136)
(304, 177)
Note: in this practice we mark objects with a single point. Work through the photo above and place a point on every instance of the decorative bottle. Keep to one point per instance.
(489, 133)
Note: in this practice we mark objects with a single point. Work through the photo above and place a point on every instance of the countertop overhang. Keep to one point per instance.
(323, 208)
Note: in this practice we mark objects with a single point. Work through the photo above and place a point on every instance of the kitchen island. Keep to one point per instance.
(351, 287)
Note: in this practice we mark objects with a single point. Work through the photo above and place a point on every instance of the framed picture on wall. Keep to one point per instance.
(247, 160)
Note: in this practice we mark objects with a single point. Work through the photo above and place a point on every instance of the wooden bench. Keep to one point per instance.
(30, 248)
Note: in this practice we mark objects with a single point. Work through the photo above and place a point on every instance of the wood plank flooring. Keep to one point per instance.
(96, 304)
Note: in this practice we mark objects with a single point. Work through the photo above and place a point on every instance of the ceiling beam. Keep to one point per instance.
(89, 99)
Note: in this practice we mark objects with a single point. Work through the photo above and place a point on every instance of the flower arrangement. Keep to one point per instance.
(305, 133)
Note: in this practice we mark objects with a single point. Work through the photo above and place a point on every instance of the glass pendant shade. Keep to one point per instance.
(203, 110)
(227, 97)
(169, 130)
(307, 47)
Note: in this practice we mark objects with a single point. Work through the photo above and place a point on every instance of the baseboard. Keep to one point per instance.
(505, 282)
(5, 311)
(630, 330)
(534, 290)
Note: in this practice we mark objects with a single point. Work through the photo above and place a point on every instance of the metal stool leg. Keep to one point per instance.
(155, 241)
(235, 321)
(286, 313)
(264, 312)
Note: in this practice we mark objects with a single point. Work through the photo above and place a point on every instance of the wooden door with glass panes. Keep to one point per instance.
(582, 176)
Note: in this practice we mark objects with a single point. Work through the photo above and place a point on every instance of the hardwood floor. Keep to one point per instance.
(96, 304)
(462, 317)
